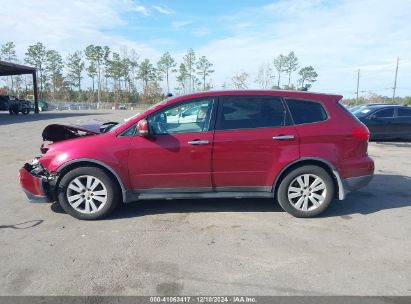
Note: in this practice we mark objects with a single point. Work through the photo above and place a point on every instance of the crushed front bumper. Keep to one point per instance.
(37, 183)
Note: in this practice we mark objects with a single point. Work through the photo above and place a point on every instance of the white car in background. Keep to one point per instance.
(185, 116)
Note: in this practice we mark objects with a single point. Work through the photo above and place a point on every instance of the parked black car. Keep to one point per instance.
(14, 105)
(362, 106)
(4, 103)
(386, 121)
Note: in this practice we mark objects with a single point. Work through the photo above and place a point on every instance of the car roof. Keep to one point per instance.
(374, 104)
(380, 106)
(283, 93)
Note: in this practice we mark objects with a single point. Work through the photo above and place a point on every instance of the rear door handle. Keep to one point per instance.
(283, 137)
(198, 142)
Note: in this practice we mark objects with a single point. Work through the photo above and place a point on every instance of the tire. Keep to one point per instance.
(14, 110)
(74, 199)
(25, 111)
(305, 202)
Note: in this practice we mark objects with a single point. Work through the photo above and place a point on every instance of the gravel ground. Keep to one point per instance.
(360, 246)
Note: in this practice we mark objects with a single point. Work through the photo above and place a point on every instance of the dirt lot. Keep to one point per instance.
(360, 246)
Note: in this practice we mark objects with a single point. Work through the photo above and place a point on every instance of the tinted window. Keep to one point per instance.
(386, 113)
(362, 112)
(185, 117)
(404, 112)
(304, 111)
(247, 112)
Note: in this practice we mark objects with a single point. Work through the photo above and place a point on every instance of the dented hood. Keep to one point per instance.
(59, 132)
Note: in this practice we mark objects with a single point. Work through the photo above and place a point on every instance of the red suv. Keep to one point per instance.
(304, 149)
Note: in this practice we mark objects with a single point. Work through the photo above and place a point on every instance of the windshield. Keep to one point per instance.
(356, 108)
(114, 127)
(361, 112)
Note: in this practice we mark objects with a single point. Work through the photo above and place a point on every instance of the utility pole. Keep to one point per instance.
(358, 83)
(395, 81)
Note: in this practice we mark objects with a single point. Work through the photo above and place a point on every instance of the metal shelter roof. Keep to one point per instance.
(8, 68)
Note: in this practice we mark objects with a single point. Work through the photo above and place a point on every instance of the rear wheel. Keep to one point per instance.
(88, 193)
(14, 110)
(306, 191)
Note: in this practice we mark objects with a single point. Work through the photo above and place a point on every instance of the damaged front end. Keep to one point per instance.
(37, 182)
(60, 132)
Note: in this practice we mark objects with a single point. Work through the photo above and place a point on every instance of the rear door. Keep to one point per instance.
(253, 138)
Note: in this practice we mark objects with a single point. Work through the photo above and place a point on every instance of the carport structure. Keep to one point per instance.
(12, 69)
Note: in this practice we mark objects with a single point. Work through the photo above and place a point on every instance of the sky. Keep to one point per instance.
(336, 37)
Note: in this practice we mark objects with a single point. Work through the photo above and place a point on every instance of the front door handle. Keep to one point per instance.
(198, 142)
(283, 137)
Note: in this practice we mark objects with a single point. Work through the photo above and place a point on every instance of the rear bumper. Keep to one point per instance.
(355, 183)
(355, 174)
(35, 186)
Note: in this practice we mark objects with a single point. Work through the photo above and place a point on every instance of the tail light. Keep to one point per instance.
(361, 133)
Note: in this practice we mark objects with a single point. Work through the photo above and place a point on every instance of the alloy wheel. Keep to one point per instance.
(86, 194)
(307, 192)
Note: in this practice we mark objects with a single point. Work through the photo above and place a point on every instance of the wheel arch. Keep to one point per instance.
(86, 162)
(322, 163)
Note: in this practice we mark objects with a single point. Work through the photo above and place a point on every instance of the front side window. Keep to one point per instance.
(305, 111)
(387, 113)
(248, 112)
(187, 117)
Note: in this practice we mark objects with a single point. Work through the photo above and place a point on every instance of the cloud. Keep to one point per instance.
(201, 31)
(336, 38)
(179, 24)
(141, 9)
(71, 26)
(163, 9)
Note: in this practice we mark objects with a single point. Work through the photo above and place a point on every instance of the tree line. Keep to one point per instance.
(120, 76)
(268, 72)
(376, 98)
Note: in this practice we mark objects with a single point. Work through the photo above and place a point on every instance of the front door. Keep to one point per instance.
(252, 140)
(176, 156)
(381, 124)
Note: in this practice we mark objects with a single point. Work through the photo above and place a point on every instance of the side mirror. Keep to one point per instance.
(142, 128)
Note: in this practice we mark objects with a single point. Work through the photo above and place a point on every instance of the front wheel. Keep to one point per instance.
(25, 111)
(88, 193)
(306, 191)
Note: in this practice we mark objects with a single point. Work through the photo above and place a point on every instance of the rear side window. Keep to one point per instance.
(304, 111)
(386, 113)
(248, 112)
(404, 112)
